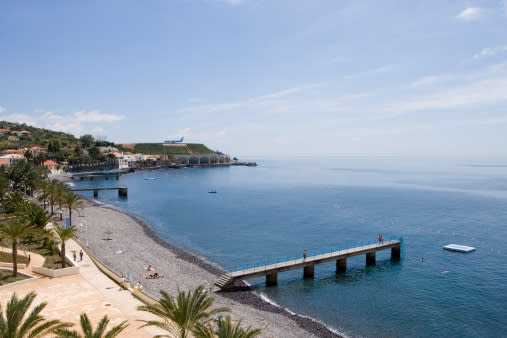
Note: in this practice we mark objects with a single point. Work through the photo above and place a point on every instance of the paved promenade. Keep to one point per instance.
(90, 291)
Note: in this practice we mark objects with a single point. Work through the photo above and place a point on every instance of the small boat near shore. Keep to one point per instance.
(212, 191)
(149, 178)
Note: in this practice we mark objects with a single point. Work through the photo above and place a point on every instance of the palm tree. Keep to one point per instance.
(35, 215)
(13, 323)
(14, 231)
(65, 234)
(56, 191)
(227, 329)
(88, 330)
(182, 316)
(44, 192)
(72, 201)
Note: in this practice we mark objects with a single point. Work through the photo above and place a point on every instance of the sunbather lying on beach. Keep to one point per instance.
(154, 276)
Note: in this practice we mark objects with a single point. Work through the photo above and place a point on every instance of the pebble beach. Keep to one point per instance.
(127, 245)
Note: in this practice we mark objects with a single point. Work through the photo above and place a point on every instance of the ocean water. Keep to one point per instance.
(284, 206)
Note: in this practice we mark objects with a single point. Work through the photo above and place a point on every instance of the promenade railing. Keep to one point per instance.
(262, 265)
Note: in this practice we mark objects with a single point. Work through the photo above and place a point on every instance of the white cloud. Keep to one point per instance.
(233, 2)
(96, 116)
(77, 123)
(484, 91)
(259, 100)
(377, 70)
(2, 109)
(470, 14)
(428, 80)
(503, 5)
(490, 51)
(486, 121)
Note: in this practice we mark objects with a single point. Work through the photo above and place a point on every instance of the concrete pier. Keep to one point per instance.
(272, 279)
(309, 271)
(122, 191)
(341, 265)
(370, 258)
(226, 281)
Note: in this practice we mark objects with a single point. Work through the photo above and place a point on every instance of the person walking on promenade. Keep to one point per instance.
(122, 283)
(74, 255)
(380, 238)
(304, 254)
(81, 255)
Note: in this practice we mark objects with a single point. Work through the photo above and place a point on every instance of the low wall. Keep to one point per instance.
(30, 279)
(74, 270)
(9, 265)
(117, 279)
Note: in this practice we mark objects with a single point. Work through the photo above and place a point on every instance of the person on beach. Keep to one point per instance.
(74, 255)
(122, 282)
(304, 254)
(81, 255)
(149, 268)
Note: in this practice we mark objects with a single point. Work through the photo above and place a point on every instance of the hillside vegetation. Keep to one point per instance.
(157, 148)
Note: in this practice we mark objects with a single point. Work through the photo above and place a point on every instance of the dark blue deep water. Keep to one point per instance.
(284, 206)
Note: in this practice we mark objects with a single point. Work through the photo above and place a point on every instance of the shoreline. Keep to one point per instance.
(246, 304)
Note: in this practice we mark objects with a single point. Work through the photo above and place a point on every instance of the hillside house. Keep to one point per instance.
(12, 158)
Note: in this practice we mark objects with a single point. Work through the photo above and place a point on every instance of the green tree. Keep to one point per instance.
(87, 141)
(227, 329)
(43, 192)
(185, 315)
(32, 214)
(14, 231)
(64, 234)
(72, 202)
(56, 191)
(5, 186)
(94, 153)
(88, 332)
(28, 155)
(15, 323)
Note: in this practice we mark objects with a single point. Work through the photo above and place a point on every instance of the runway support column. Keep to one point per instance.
(272, 279)
(396, 252)
(95, 193)
(370, 258)
(341, 265)
(309, 271)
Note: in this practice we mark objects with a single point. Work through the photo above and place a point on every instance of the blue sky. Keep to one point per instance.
(263, 77)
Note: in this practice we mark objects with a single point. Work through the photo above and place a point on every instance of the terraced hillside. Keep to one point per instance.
(158, 148)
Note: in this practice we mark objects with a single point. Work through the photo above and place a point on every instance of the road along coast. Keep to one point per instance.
(127, 245)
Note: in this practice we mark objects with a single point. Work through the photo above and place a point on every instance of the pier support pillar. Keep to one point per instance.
(272, 279)
(91, 178)
(95, 193)
(309, 271)
(123, 192)
(341, 265)
(370, 258)
(395, 253)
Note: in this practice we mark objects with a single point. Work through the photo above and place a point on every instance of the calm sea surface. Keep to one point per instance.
(283, 207)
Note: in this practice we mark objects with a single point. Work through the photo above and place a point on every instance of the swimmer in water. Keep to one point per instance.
(446, 271)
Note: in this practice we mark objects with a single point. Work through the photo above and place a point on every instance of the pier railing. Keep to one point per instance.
(310, 253)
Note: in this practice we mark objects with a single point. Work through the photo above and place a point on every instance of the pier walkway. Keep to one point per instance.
(226, 281)
(122, 191)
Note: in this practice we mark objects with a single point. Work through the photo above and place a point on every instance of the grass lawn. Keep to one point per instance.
(6, 257)
(52, 256)
(6, 277)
